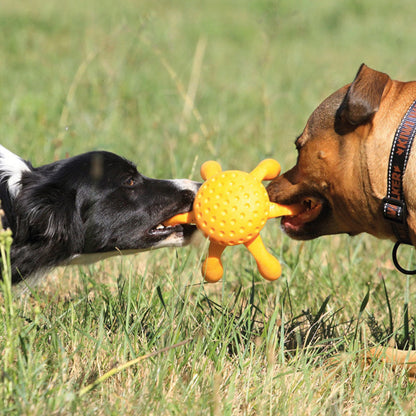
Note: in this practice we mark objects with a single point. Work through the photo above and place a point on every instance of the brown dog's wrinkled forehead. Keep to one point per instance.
(323, 118)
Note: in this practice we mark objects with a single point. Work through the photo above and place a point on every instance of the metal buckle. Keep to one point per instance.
(394, 210)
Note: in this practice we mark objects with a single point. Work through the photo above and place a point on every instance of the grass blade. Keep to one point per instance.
(128, 364)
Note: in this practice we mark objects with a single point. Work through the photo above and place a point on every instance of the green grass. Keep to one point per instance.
(77, 76)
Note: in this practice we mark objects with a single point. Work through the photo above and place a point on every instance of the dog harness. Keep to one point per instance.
(394, 205)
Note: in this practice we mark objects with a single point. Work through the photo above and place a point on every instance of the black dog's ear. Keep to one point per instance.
(362, 99)
(46, 213)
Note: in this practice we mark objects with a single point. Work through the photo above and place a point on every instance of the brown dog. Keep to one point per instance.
(340, 175)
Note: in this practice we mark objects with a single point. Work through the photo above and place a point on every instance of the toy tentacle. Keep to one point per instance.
(185, 218)
(269, 267)
(266, 170)
(209, 169)
(212, 268)
(277, 210)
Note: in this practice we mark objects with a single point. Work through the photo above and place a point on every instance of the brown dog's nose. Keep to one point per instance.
(273, 190)
(282, 187)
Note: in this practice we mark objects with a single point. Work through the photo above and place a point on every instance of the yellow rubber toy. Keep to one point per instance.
(231, 208)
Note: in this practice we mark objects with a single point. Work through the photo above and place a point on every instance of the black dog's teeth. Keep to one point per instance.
(162, 227)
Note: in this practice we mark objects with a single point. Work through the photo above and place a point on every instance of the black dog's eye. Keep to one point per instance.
(130, 182)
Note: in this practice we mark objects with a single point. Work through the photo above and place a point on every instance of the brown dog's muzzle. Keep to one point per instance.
(275, 187)
(304, 225)
(284, 186)
(286, 190)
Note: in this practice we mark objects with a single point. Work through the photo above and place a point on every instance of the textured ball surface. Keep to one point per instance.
(231, 207)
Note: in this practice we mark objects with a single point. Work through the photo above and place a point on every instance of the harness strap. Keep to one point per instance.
(394, 205)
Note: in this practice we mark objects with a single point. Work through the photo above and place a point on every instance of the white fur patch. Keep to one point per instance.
(185, 184)
(11, 169)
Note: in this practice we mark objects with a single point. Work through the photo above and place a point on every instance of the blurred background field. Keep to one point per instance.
(170, 84)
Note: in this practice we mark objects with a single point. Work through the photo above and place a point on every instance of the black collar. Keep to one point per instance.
(394, 205)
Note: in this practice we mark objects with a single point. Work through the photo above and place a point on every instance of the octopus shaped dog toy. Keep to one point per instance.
(230, 208)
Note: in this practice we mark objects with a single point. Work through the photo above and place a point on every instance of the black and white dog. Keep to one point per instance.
(86, 208)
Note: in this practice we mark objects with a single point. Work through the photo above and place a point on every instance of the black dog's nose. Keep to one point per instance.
(188, 197)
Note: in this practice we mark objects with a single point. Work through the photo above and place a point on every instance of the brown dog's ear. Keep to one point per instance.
(362, 99)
